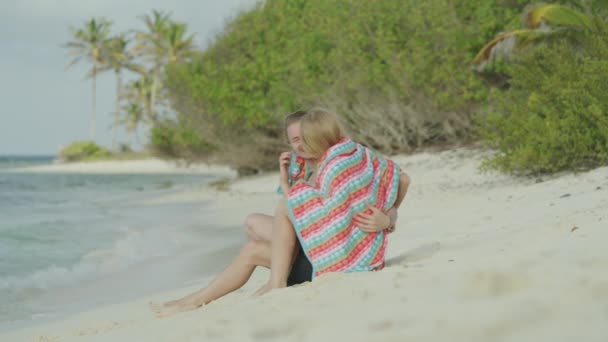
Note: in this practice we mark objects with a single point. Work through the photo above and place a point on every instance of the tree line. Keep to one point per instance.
(519, 77)
(145, 53)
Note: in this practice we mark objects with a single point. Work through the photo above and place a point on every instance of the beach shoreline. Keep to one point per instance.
(475, 257)
(136, 166)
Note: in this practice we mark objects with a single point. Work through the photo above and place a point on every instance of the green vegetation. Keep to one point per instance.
(402, 75)
(89, 151)
(90, 43)
(397, 72)
(83, 151)
(555, 115)
(145, 53)
(179, 140)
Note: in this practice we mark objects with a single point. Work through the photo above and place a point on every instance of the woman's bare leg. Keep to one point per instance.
(256, 252)
(283, 249)
(259, 227)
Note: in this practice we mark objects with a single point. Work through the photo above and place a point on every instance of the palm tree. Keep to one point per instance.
(137, 103)
(118, 57)
(149, 46)
(89, 43)
(164, 42)
(180, 48)
(133, 116)
(540, 21)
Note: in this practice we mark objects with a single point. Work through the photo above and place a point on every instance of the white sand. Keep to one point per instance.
(152, 165)
(476, 257)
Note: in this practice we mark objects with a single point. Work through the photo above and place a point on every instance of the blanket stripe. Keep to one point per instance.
(350, 176)
(299, 169)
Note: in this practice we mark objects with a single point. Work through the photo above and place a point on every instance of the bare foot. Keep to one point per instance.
(268, 287)
(171, 308)
(173, 303)
(155, 307)
(263, 290)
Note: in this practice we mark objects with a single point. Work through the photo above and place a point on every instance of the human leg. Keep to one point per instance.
(259, 226)
(254, 253)
(283, 249)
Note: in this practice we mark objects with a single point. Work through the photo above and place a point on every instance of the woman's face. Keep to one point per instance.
(295, 139)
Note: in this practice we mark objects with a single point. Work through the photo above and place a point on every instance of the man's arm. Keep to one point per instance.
(404, 184)
(374, 220)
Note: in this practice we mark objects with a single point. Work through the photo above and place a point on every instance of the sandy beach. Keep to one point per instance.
(143, 166)
(475, 257)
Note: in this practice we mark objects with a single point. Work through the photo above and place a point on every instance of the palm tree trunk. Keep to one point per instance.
(153, 97)
(137, 140)
(153, 94)
(94, 104)
(116, 106)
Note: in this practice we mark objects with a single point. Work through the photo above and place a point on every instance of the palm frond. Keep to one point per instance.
(88, 42)
(556, 15)
(541, 21)
(73, 62)
(503, 44)
(137, 68)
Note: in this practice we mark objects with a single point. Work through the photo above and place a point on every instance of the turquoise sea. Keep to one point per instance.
(71, 242)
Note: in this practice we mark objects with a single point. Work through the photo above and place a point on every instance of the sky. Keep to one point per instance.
(43, 106)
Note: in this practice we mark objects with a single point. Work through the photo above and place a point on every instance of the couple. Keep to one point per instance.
(339, 201)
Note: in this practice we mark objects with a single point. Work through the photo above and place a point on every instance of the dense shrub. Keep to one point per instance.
(398, 72)
(555, 115)
(173, 140)
(83, 151)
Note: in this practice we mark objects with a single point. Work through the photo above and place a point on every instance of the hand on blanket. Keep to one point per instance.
(373, 220)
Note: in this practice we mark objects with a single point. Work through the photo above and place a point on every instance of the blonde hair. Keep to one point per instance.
(320, 130)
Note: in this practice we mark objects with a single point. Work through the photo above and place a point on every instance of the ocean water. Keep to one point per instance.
(71, 242)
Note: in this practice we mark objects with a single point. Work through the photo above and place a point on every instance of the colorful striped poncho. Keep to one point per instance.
(299, 169)
(350, 176)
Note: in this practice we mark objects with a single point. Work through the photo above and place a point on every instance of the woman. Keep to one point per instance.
(331, 215)
(294, 166)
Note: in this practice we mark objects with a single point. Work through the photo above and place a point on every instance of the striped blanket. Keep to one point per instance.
(299, 169)
(350, 176)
